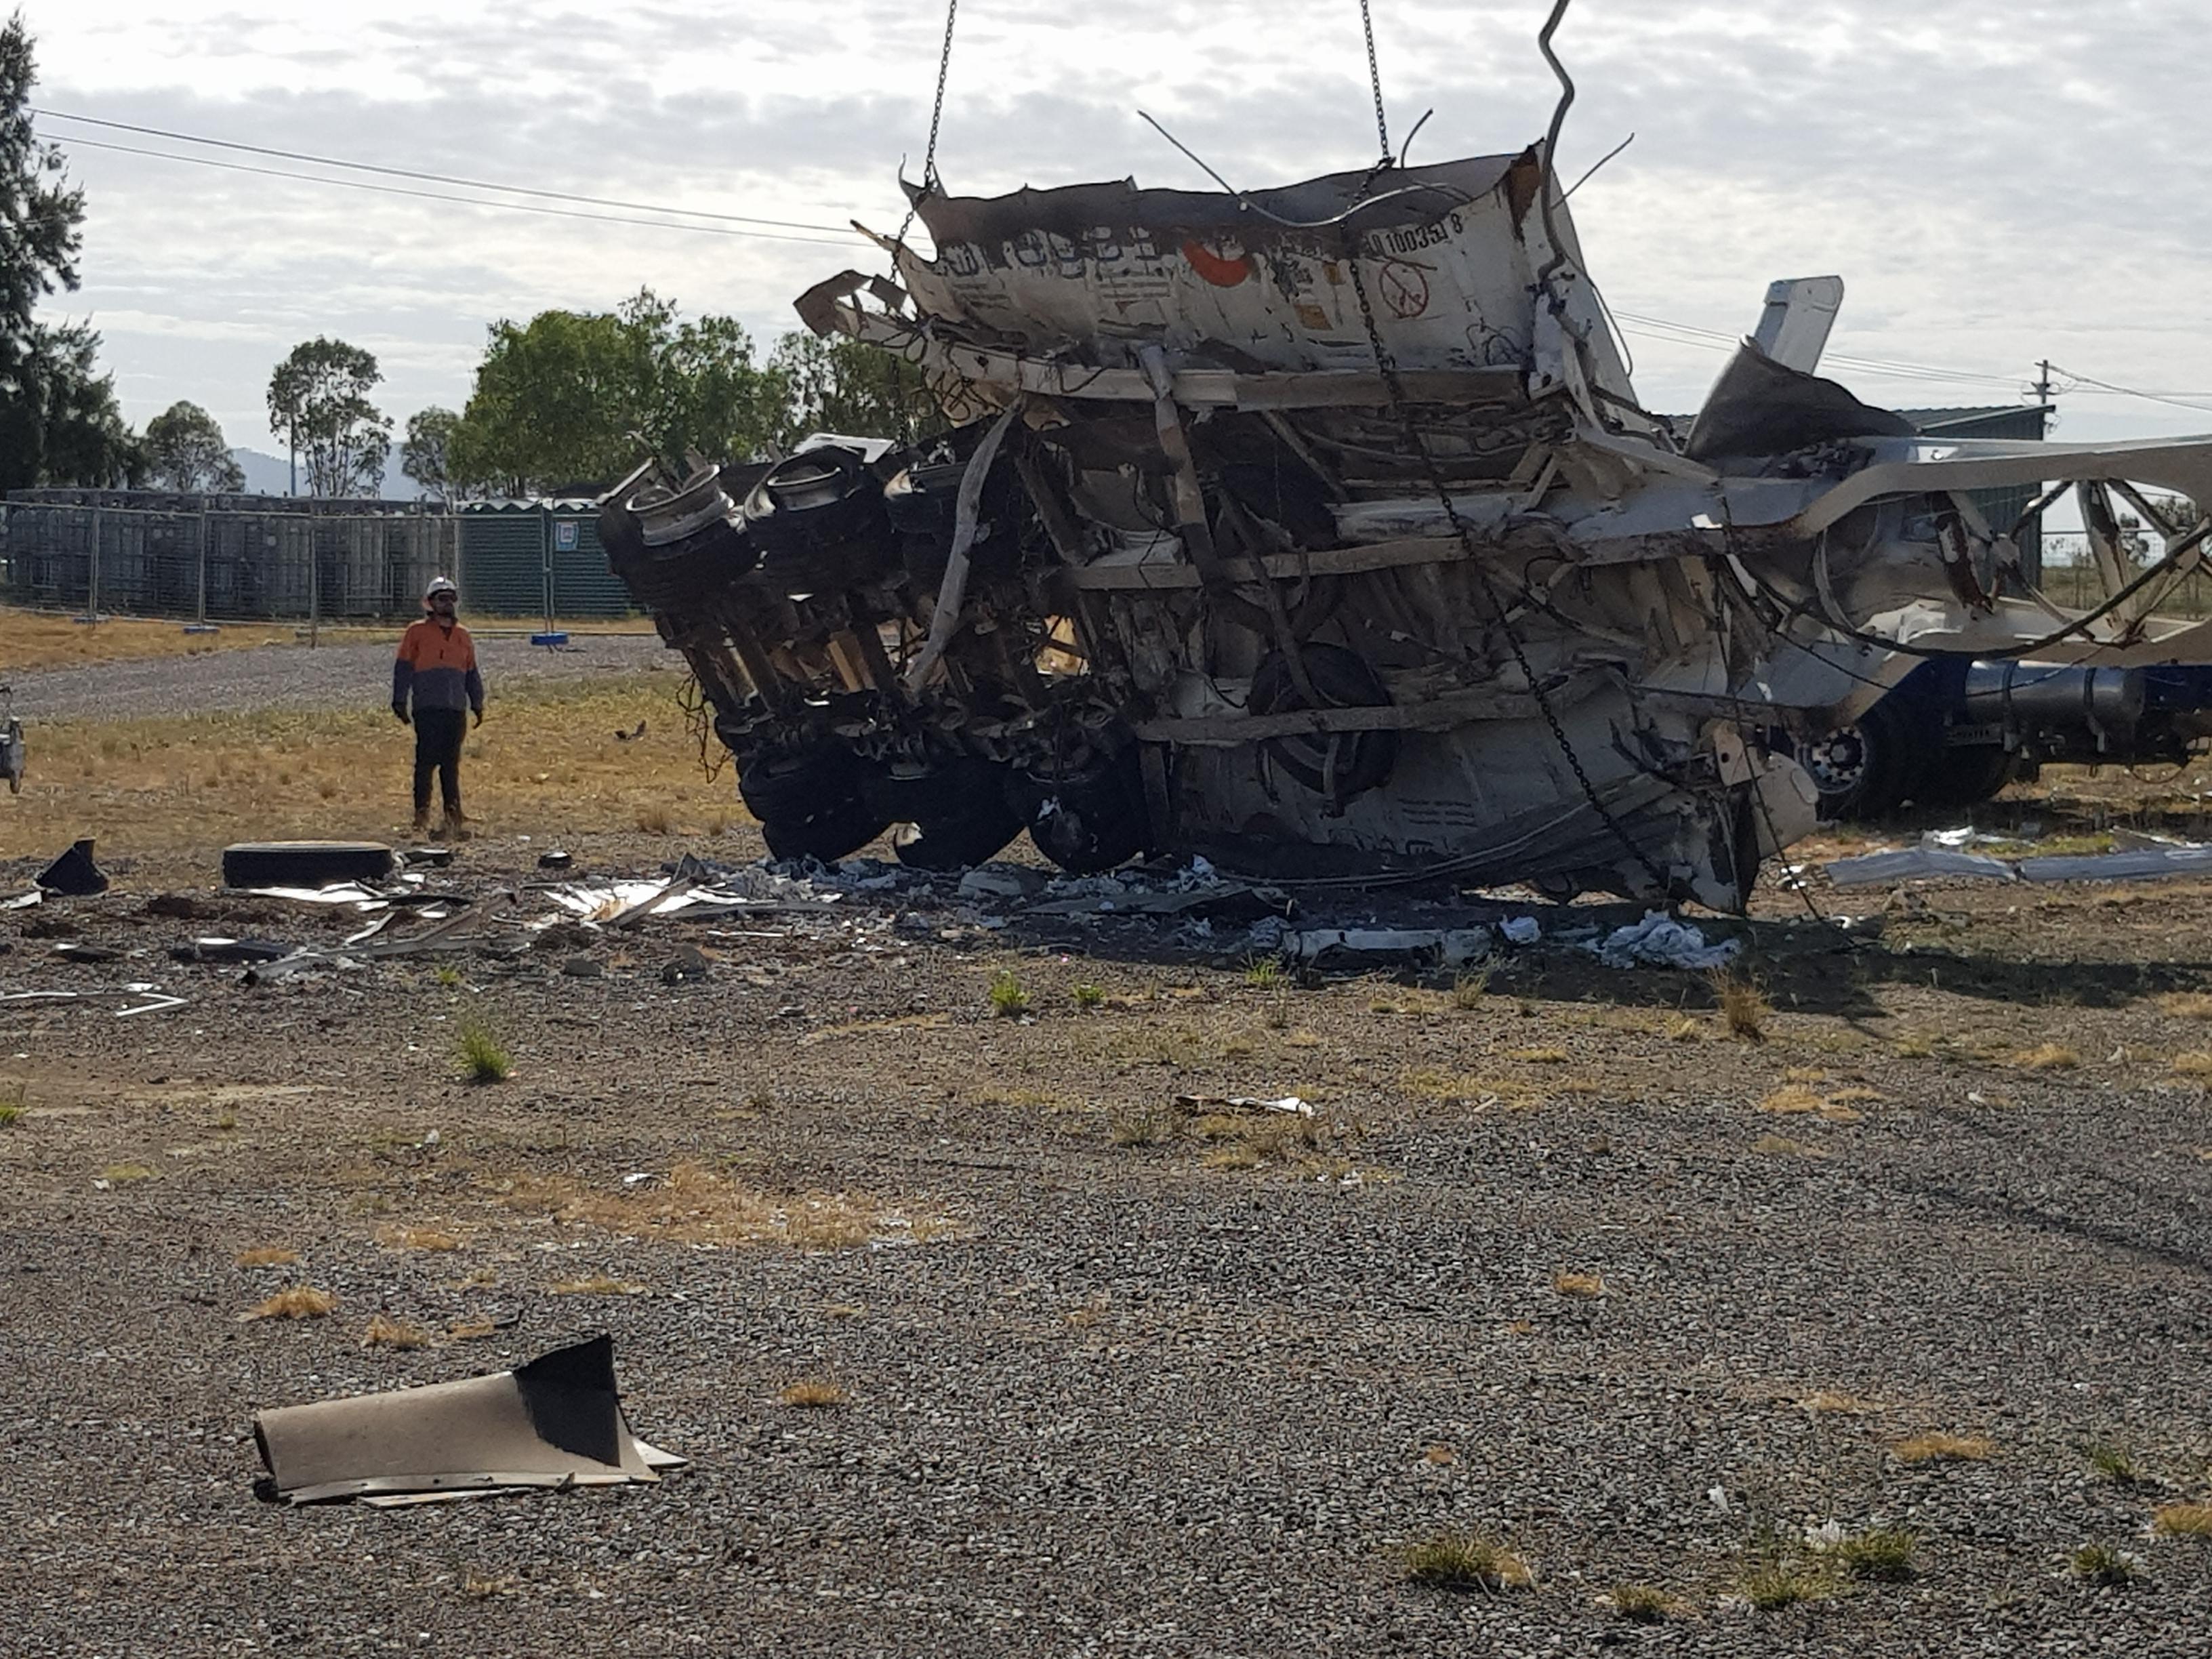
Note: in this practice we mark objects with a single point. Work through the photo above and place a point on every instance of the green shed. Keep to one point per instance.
(535, 558)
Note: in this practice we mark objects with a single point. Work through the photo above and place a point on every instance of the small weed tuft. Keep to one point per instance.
(598, 1285)
(300, 1302)
(1089, 996)
(2103, 1563)
(1640, 1604)
(1140, 1126)
(481, 1056)
(1008, 999)
(1467, 1561)
(812, 1394)
(2187, 1005)
(1468, 989)
(268, 1255)
(2182, 1520)
(385, 1332)
(655, 821)
(1263, 973)
(1938, 1447)
(418, 1238)
(1684, 1029)
(1743, 1005)
(449, 977)
(122, 1175)
(1583, 1286)
(1885, 1553)
(1776, 1585)
(2193, 1062)
(12, 1102)
(2048, 1057)
(478, 1586)
(2112, 1463)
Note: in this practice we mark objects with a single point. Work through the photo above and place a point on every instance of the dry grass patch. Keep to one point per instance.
(1857, 1095)
(1640, 1604)
(1790, 1099)
(2193, 1063)
(417, 1238)
(1581, 1285)
(123, 1174)
(1140, 1126)
(1938, 1447)
(1466, 1089)
(1774, 1584)
(2047, 1057)
(697, 1205)
(300, 1302)
(2187, 1005)
(478, 1586)
(813, 1393)
(1832, 1402)
(598, 1285)
(1783, 1147)
(2182, 1520)
(1466, 1562)
(1439, 1456)
(267, 1255)
(1743, 1006)
(1883, 1553)
(472, 1330)
(1685, 1029)
(385, 1332)
(2113, 1463)
(1293, 1140)
(182, 783)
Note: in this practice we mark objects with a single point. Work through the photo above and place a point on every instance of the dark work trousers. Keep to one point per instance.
(438, 733)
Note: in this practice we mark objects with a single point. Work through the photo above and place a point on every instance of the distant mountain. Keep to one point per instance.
(271, 475)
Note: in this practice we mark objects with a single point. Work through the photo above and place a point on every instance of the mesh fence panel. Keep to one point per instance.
(238, 564)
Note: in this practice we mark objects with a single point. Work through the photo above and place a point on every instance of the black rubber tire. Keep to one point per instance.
(1342, 679)
(1889, 769)
(305, 863)
(798, 786)
(830, 831)
(1084, 824)
(959, 843)
(947, 790)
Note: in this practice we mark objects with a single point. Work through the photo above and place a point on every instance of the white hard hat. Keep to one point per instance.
(440, 585)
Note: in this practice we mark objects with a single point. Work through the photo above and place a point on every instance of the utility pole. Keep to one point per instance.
(2043, 384)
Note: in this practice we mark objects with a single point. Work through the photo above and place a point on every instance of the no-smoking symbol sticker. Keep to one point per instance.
(1404, 287)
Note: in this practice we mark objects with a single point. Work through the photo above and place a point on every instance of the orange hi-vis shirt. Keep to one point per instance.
(438, 665)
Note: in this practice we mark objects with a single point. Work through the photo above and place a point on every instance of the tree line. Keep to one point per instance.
(564, 404)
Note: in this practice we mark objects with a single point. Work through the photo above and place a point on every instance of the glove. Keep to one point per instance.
(400, 710)
(479, 717)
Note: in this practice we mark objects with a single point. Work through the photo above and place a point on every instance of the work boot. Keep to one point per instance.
(422, 825)
(457, 826)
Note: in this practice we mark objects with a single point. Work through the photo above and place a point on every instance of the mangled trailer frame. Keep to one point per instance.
(1319, 530)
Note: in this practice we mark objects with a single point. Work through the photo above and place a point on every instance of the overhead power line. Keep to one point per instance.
(466, 201)
(422, 177)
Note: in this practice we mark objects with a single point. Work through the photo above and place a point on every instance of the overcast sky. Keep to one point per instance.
(1996, 181)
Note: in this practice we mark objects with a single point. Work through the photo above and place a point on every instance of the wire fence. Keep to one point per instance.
(206, 559)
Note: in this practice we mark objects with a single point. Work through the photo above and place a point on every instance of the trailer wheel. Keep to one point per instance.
(1866, 769)
(958, 843)
(827, 831)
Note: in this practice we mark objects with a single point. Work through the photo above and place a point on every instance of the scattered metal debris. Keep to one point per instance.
(556, 1422)
(305, 864)
(74, 874)
(1354, 947)
(1290, 1105)
(2156, 863)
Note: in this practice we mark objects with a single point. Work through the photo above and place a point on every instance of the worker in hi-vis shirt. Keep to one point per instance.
(437, 669)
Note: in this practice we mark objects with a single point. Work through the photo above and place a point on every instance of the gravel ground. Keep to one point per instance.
(296, 677)
(1187, 1393)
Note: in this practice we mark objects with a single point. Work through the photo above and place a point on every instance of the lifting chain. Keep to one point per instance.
(937, 120)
